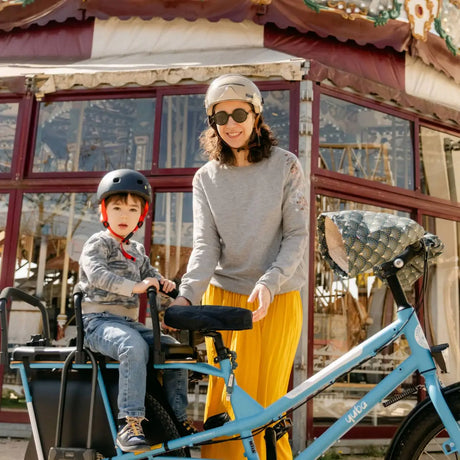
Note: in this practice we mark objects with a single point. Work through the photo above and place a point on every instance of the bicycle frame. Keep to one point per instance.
(250, 415)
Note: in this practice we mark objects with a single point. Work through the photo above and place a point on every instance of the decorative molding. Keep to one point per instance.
(421, 15)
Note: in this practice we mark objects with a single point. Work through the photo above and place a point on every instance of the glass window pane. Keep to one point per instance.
(4, 198)
(54, 227)
(440, 162)
(442, 314)
(172, 233)
(183, 118)
(169, 253)
(8, 120)
(365, 143)
(346, 312)
(276, 114)
(96, 135)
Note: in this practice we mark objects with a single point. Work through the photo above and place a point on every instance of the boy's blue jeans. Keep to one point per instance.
(128, 341)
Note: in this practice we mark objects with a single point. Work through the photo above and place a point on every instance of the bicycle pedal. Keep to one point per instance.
(282, 427)
(196, 376)
(71, 453)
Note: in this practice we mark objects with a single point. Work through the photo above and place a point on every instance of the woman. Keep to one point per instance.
(250, 236)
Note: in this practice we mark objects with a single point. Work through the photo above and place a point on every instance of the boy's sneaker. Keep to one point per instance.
(130, 437)
(187, 427)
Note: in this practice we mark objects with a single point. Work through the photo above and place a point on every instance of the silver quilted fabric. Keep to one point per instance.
(354, 242)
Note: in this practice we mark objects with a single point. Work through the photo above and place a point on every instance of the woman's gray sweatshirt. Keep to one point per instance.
(249, 226)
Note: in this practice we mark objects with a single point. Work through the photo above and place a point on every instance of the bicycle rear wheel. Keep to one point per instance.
(160, 425)
(421, 436)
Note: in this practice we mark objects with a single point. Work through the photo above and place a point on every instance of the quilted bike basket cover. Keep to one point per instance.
(354, 242)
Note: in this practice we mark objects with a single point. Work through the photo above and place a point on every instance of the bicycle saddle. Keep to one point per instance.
(208, 318)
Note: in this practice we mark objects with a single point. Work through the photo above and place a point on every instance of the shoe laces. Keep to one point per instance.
(189, 426)
(133, 425)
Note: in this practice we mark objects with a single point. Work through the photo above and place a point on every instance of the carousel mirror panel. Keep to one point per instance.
(365, 143)
(94, 135)
(8, 121)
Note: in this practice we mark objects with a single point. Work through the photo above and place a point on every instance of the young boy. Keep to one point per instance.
(113, 270)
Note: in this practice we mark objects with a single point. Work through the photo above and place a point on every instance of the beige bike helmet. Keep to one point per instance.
(231, 87)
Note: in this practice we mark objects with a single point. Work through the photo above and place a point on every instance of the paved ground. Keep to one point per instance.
(12, 448)
(15, 449)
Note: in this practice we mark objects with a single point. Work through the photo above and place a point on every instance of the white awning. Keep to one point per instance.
(147, 69)
(427, 83)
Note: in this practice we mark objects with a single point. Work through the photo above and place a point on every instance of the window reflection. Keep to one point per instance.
(96, 135)
(440, 159)
(182, 120)
(4, 198)
(8, 120)
(276, 115)
(365, 143)
(346, 312)
(442, 315)
(54, 227)
(172, 234)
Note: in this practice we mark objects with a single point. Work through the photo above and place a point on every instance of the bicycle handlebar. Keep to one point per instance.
(419, 248)
(158, 355)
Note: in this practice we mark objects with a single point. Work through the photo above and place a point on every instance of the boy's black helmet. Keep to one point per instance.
(124, 181)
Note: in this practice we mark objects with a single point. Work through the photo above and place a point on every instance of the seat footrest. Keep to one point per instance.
(178, 351)
(70, 453)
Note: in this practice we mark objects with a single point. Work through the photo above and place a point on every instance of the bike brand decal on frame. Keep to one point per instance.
(357, 410)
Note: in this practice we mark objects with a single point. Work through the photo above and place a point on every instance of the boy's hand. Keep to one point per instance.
(142, 286)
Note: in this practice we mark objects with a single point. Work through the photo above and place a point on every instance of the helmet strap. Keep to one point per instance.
(105, 223)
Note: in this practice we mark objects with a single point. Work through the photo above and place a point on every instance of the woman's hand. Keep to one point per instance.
(261, 293)
(181, 301)
(167, 285)
(142, 286)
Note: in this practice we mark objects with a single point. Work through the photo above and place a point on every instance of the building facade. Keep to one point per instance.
(373, 114)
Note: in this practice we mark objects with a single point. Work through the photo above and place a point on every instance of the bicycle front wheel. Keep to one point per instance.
(422, 433)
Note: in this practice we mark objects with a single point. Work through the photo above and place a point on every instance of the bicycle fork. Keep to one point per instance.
(427, 368)
(450, 424)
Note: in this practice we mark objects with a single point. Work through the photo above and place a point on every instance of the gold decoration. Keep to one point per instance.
(347, 10)
(421, 14)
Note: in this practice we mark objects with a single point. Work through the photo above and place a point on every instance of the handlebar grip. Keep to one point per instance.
(152, 290)
(174, 293)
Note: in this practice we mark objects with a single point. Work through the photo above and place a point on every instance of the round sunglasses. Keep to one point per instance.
(239, 115)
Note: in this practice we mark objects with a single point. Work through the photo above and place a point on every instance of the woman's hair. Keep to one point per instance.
(259, 145)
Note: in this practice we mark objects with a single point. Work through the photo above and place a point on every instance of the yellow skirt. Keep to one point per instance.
(265, 355)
